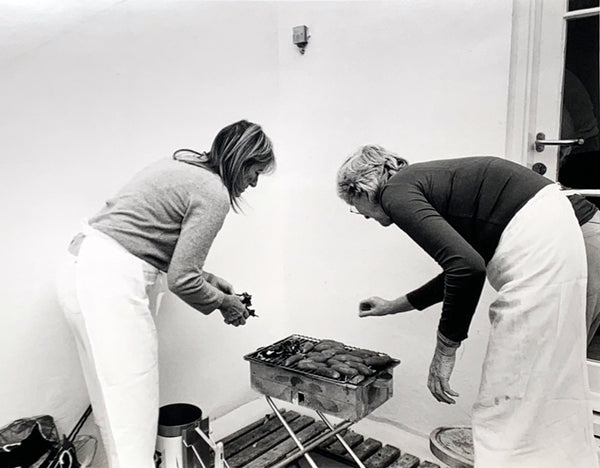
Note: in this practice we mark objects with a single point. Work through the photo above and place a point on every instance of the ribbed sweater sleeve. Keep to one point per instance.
(203, 219)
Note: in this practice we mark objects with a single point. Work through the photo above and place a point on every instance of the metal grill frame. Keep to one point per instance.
(252, 357)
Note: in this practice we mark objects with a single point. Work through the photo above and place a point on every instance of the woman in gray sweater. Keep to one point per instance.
(161, 222)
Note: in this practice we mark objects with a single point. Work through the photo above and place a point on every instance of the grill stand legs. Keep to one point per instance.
(291, 432)
(342, 441)
(303, 450)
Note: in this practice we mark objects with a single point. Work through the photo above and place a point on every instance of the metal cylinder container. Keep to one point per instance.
(177, 436)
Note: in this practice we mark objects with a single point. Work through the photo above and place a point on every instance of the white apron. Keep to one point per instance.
(533, 408)
(591, 235)
(108, 296)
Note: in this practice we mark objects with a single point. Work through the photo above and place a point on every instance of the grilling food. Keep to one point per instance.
(327, 358)
(316, 356)
(357, 379)
(344, 369)
(293, 359)
(307, 346)
(363, 353)
(334, 362)
(348, 357)
(328, 345)
(363, 369)
(330, 352)
(308, 364)
(378, 361)
(328, 372)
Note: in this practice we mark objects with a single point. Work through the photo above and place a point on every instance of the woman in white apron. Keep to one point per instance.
(485, 216)
(160, 226)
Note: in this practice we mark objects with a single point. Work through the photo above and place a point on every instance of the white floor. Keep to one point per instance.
(250, 412)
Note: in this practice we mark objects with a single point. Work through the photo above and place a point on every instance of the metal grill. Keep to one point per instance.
(277, 353)
(344, 396)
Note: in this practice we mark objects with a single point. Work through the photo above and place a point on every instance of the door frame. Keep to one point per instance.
(527, 47)
(535, 92)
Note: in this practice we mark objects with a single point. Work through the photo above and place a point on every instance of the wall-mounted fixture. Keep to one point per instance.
(300, 37)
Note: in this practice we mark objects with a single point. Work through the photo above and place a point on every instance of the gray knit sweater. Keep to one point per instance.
(169, 215)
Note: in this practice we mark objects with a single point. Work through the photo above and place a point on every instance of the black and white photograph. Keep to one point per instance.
(300, 234)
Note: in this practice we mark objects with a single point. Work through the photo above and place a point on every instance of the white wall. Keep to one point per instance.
(83, 110)
(94, 100)
(428, 80)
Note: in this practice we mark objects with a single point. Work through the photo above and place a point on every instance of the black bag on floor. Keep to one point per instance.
(27, 442)
(64, 455)
(34, 443)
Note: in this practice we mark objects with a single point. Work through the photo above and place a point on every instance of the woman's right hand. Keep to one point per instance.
(373, 306)
(232, 309)
(440, 371)
(377, 307)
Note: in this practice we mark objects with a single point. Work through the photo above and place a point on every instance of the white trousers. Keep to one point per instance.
(533, 408)
(108, 296)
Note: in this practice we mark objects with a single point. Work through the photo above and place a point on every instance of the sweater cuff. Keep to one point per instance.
(214, 297)
(447, 341)
(220, 298)
(445, 346)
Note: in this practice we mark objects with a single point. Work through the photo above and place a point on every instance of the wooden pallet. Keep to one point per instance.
(266, 442)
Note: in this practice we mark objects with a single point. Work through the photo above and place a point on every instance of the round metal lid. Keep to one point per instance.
(453, 446)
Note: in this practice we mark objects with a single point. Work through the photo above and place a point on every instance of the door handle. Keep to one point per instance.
(541, 142)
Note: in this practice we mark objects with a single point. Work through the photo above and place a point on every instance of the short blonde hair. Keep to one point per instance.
(366, 171)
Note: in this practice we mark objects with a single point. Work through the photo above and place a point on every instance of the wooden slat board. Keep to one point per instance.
(383, 458)
(274, 456)
(257, 434)
(351, 438)
(266, 442)
(248, 428)
(408, 461)
(364, 450)
(271, 441)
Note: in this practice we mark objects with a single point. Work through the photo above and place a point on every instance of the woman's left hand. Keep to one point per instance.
(440, 371)
(234, 312)
(220, 283)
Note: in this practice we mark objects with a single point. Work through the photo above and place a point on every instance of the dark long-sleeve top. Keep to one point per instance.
(456, 210)
(432, 292)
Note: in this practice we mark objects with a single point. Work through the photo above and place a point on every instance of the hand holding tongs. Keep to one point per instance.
(247, 301)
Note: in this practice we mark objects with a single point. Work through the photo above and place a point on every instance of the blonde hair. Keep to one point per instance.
(235, 149)
(366, 171)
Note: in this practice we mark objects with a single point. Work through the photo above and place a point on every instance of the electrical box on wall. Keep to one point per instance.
(300, 37)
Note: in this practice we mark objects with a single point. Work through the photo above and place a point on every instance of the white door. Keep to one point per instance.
(554, 92)
(547, 36)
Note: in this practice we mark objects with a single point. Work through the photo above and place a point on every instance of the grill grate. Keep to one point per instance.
(277, 354)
